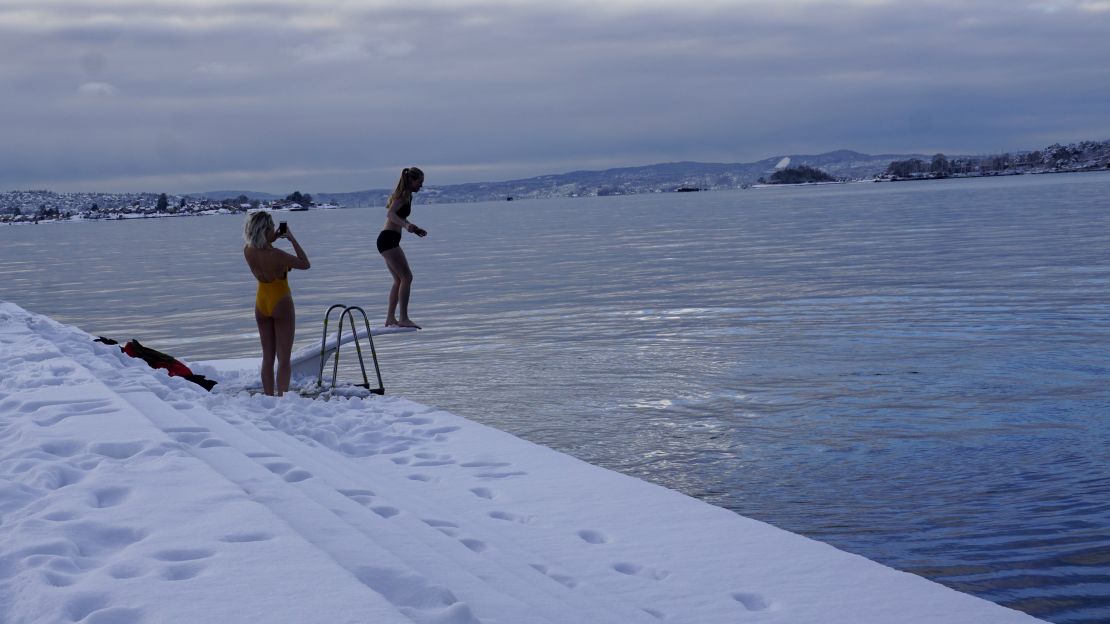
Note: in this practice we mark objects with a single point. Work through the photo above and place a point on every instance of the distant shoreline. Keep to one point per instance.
(999, 174)
(158, 215)
(126, 216)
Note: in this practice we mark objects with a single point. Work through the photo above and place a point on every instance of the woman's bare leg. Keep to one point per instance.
(266, 334)
(285, 325)
(402, 283)
(391, 313)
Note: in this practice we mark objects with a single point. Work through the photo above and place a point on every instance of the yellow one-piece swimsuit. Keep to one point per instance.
(270, 293)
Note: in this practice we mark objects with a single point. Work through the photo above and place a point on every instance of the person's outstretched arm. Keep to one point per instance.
(301, 259)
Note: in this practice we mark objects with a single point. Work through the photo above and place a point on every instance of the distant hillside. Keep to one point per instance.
(661, 178)
(669, 177)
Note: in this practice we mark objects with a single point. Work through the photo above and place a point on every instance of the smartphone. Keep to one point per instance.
(282, 228)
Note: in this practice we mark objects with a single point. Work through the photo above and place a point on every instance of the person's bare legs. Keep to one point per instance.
(391, 318)
(399, 295)
(266, 334)
(285, 325)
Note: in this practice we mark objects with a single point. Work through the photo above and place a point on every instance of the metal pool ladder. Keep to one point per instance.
(348, 311)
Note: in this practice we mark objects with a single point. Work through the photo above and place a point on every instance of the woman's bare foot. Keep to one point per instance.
(391, 322)
(407, 323)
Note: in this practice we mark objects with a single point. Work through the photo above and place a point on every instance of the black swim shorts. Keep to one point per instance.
(387, 240)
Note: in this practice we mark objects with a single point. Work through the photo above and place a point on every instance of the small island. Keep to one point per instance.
(798, 175)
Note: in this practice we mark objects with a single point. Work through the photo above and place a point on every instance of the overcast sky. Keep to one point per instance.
(337, 95)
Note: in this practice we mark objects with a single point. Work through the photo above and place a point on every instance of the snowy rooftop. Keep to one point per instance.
(127, 497)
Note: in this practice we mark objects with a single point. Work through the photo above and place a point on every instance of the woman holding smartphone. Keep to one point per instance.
(273, 302)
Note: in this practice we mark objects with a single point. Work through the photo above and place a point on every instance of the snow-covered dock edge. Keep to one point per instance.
(129, 496)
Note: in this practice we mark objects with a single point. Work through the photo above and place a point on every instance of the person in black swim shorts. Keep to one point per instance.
(389, 245)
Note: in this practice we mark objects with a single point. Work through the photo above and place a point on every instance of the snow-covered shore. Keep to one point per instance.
(127, 497)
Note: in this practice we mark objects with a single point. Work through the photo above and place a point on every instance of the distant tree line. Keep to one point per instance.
(1082, 156)
(297, 197)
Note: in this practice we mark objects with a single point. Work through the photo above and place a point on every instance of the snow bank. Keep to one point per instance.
(127, 496)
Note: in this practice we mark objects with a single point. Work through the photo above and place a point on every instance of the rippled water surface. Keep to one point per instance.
(914, 372)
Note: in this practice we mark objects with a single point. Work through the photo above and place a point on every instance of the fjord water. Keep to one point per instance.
(915, 372)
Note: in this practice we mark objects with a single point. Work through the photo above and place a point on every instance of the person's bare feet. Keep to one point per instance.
(391, 322)
(407, 323)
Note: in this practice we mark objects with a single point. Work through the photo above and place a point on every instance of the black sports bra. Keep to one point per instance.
(405, 210)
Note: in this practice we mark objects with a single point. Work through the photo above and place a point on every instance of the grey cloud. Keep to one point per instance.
(323, 95)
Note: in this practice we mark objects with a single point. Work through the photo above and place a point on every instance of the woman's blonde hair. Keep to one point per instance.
(402, 190)
(256, 229)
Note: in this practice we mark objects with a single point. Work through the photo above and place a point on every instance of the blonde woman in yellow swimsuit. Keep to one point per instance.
(273, 304)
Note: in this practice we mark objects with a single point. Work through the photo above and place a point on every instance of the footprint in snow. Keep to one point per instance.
(183, 554)
(278, 467)
(96, 540)
(482, 492)
(500, 475)
(296, 476)
(57, 579)
(250, 536)
(420, 477)
(428, 459)
(117, 450)
(181, 571)
(752, 602)
(510, 517)
(115, 615)
(62, 448)
(287, 471)
(450, 529)
(437, 433)
(109, 497)
(474, 544)
(362, 497)
(593, 537)
(562, 579)
(65, 410)
(58, 477)
(635, 569)
(385, 511)
(485, 464)
(124, 571)
(198, 437)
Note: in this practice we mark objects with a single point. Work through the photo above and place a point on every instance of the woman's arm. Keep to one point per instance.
(300, 261)
(396, 219)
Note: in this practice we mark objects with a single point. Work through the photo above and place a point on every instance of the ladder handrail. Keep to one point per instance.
(348, 311)
(324, 342)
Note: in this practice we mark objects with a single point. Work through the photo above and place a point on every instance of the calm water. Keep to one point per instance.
(914, 372)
